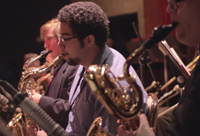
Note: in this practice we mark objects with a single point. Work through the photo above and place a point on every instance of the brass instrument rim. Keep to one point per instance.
(15, 120)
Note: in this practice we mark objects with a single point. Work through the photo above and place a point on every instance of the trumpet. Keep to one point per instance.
(125, 103)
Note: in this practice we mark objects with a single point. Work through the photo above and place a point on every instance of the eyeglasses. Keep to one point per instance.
(67, 39)
(174, 3)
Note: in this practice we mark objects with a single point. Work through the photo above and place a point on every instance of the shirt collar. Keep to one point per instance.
(102, 55)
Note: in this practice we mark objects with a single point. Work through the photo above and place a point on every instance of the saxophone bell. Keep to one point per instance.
(122, 101)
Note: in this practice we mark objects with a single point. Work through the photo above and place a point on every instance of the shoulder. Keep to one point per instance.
(117, 57)
(117, 62)
(116, 53)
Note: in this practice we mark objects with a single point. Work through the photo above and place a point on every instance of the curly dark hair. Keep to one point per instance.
(86, 18)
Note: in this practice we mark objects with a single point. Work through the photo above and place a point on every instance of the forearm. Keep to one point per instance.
(55, 108)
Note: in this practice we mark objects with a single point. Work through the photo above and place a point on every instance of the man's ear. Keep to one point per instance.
(89, 40)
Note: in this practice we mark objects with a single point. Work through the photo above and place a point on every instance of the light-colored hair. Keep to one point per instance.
(51, 23)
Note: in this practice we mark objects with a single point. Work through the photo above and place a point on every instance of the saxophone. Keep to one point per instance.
(27, 84)
(40, 88)
(123, 102)
(28, 75)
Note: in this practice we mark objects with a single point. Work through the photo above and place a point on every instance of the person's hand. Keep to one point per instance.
(35, 97)
(143, 130)
(41, 133)
(123, 132)
(30, 130)
(6, 94)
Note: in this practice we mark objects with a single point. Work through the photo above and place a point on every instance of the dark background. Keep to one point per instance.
(20, 22)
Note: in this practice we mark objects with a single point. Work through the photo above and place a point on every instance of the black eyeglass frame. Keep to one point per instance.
(175, 7)
(177, 1)
(66, 39)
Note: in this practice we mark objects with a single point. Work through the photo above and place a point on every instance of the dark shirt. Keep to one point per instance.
(55, 102)
(187, 113)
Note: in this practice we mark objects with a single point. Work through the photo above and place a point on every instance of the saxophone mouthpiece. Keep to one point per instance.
(44, 53)
(174, 24)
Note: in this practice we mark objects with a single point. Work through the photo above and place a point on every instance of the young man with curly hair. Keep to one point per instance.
(84, 30)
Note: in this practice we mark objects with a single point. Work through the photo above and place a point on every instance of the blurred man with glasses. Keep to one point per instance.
(186, 120)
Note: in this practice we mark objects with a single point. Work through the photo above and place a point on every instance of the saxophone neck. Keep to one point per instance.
(126, 70)
(46, 67)
(26, 65)
(159, 33)
(59, 60)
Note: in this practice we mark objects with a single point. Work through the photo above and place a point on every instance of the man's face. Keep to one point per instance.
(72, 50)
(187, 15)
(51, 43)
